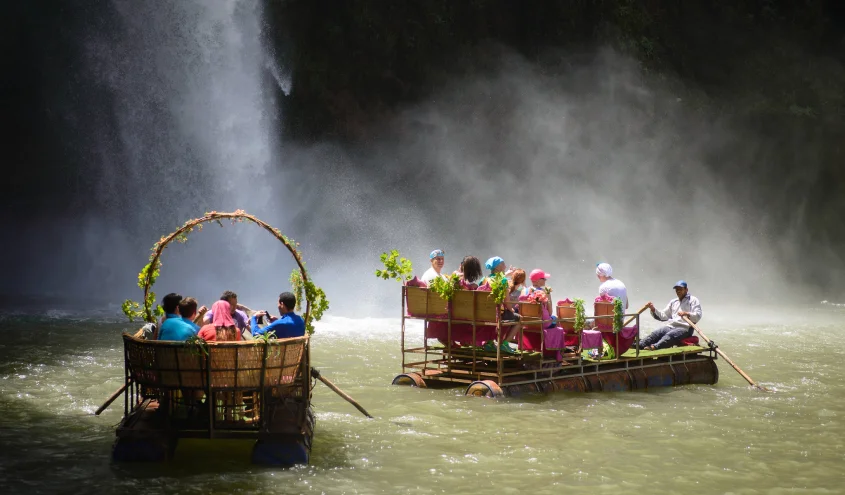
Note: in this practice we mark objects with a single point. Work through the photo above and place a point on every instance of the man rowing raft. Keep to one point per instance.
(676, 329)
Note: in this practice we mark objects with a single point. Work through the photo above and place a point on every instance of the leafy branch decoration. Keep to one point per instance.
(580, 314)
(395, 267)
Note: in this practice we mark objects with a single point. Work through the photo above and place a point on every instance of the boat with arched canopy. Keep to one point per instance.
(254, 389)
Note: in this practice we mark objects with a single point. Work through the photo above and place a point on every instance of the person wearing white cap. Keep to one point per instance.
(438, 260)
(610, 286)
(676, 329)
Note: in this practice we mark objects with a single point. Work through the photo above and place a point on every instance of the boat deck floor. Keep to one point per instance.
(464, 369)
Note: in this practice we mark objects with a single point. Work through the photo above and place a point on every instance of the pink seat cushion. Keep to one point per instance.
(690, 340)
(415, 282)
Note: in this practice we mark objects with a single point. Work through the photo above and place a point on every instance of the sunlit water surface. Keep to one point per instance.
(57, 368)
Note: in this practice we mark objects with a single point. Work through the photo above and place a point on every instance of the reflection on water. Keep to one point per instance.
(55, 370)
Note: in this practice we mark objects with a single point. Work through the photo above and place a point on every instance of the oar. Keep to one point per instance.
(725, 357)
(316, 374)
(634, 317)
(112, 398)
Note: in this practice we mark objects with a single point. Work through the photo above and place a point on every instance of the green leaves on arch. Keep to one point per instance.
(315, 298)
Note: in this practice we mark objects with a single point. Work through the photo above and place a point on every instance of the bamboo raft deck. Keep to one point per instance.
(495, 374)
(244, 390)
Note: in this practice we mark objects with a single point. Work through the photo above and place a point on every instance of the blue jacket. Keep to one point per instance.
(176, 328)
(289, 325)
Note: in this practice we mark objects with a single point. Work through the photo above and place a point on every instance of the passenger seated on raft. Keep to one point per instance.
(288, 325)
(222, 328)
(538, 282)
(496, 265)
(438, 260)
(470, 272)
(677, 329)
(516, 285)
(237, 311)
(610, 286)
(170, 305)
(181, 328)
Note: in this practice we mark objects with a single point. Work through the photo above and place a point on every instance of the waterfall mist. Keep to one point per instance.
(171, 110)
(168, 110)
(556, 170)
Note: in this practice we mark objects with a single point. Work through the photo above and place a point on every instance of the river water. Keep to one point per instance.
(56, 368)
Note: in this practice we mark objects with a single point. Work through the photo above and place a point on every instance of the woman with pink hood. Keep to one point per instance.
(222, 326)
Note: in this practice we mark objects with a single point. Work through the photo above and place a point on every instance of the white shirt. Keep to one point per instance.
(430, 275)
(689, 304)
(614, 288)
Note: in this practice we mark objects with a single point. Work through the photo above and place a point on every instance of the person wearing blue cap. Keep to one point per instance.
(676, 329)
(494, 265)
(438, 260)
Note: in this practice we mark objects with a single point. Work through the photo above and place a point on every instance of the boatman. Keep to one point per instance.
(676, 329)
(438, 260)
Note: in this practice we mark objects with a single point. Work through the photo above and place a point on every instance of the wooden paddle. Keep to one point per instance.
(634, 317)
(725, 357)
(112, 398)
(316, 374)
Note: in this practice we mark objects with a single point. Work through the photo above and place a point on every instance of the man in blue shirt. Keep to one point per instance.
(289, 325)
(177, 327)
(170, 305)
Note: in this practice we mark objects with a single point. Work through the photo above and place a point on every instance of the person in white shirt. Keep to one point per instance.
(438, 260)
(676, 329)
(610, 286)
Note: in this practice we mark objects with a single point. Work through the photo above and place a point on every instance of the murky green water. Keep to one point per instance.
(727, 438)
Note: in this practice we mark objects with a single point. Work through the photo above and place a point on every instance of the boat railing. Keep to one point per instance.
(476, 315)
(218, 388)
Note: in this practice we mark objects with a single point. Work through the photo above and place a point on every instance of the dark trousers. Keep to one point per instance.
(666, 336)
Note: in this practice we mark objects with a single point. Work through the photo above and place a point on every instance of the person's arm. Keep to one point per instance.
(254, 328)
(200, 315)
(662, 315)
(280, 328)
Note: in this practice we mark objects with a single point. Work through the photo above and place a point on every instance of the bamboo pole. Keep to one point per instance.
(112, 398)
(316, 374)
(633, 317)
(725, 357)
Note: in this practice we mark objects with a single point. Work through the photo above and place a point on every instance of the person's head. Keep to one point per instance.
(604, 271)
(495, 265)
(681, 289)
(222, 314)
(517, 279)
(188, 307)
(287, 302)
(170, 303)
(438, 259)
(232, 299)
(471, 268)
(538, 277)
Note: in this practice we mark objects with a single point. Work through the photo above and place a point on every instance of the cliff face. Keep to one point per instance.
(356, 62)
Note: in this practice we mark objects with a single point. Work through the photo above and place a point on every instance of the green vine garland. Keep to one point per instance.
(618, 311)
(580, 315)
(315, 298)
